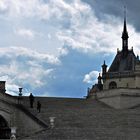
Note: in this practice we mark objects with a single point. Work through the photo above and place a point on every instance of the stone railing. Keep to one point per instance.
(120, 74)
(9, 98)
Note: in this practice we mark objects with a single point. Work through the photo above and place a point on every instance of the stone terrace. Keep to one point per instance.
(81, 119)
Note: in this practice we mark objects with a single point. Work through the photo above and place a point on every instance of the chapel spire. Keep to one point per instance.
(125, 34)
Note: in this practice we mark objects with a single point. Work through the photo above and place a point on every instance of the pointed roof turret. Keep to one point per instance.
(99, 79)
(104, 68)
(104, 65)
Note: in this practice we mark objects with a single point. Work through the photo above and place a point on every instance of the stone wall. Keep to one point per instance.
(17, 117)
(6, 112)
(25, 125)
(120, 98)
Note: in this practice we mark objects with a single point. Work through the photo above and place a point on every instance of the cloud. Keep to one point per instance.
(63, 51)
(95, 36)
(26, 68)
(49, 36)
(3, 6)
(18, 8)
(75, 22)
(28, 53)
(91, 78)
(79, 27)
(107, 7)
(37, 8)
(27, 33)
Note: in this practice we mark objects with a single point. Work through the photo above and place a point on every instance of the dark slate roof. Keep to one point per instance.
(123, 62)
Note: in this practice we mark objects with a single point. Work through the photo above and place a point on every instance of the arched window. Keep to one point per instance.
(5, 131)
(112, 85)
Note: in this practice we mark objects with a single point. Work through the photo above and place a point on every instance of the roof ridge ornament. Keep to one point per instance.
(125, 33)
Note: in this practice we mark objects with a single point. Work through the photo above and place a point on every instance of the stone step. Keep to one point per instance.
(79, 119)
(86, 134)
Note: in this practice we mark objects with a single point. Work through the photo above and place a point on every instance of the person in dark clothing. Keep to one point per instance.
(31, 98)
(38, 106)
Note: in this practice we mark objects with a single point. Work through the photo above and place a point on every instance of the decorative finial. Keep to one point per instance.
(125, 28)
(124, 12)
(117, 50)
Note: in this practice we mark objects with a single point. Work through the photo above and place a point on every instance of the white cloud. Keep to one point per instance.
(49, 36)
(27, 33)
(91, 78)
(3, 5)
(62, 51)
(75, 23)
(17, 51)
(18, 8)
(25, 68)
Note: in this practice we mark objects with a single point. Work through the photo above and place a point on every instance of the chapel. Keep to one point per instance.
(124, 72)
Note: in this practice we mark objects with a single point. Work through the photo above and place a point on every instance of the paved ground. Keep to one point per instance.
(81, 119)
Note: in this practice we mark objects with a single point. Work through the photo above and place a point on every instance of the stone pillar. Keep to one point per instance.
(2, 86)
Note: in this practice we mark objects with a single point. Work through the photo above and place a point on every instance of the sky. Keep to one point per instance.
(56, 47)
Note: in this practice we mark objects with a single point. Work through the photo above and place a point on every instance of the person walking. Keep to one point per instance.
(31, 98)
(38, 106)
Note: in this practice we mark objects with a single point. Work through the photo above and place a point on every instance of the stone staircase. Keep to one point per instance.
(81, 119)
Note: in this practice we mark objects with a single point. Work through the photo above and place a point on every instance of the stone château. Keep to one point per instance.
(110, 112)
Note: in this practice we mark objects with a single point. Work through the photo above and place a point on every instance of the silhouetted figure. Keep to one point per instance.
(31, 97)
(38, 106)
